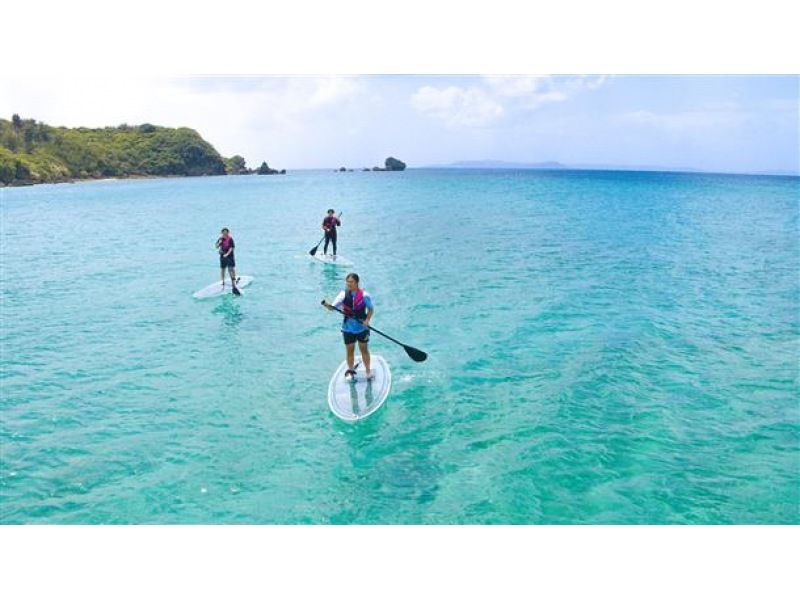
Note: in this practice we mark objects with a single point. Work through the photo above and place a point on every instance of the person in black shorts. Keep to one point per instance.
(329, 224)
(358, 311)
(227, 261)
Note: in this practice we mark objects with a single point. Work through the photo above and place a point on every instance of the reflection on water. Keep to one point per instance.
(230, 359)
(354, 399)
(332, 275)
(331, 281)
(368, 396)
(230, 311)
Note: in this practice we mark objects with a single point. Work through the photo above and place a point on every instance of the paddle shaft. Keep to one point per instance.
(373, 329)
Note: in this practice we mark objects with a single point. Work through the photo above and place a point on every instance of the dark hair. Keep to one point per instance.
(225, 230)
(331, 211)
(352, 275)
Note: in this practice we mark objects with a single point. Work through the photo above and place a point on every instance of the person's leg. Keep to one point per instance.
(365, 357)
(333, 240)
(232, 274)
(325, 247)
(351, 355)
(222, 275)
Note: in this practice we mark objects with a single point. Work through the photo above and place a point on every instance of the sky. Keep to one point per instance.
(713, 123)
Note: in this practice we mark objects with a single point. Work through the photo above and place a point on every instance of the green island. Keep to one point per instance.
(33, 152)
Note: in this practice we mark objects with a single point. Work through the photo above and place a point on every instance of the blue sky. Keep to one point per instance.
(716, 123)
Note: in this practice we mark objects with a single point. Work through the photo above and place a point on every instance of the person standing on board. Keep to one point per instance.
(358, 309)
(225, 245)
(329, 225)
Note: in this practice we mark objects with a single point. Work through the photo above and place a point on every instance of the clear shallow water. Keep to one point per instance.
(604, 348)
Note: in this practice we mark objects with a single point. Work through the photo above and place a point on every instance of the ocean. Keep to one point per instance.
(604, 348)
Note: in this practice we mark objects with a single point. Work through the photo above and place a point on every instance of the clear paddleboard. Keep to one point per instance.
(352, 401)
(333, 260)
(216, 289)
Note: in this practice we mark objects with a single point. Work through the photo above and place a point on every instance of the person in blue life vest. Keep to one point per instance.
(329, 224)
(227, 261)
(358, 309)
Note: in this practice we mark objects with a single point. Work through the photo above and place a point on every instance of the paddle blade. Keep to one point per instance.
(415, 354)
(313, 252)
(236, 291)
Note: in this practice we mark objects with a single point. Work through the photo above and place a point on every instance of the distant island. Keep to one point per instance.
(552, 165)
(32, 152)
(390, 164)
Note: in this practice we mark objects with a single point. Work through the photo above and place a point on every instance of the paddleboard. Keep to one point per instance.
(333, 261)
(352, 401)
(216, 289)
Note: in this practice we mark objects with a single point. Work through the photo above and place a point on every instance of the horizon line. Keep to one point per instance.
(577, 167)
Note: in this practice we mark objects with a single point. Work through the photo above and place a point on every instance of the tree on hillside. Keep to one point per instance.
(236, 165)
(33, 152)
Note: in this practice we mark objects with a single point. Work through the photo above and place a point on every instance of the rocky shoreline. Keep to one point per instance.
(33, 153)
(390, 165)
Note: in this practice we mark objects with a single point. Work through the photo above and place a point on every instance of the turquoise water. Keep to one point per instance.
(604, 348)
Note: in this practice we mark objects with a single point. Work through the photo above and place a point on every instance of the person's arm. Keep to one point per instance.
(325, 228)
(338, 221)
(217, 244)
(230, 250)
(370, 311)
(336, 302)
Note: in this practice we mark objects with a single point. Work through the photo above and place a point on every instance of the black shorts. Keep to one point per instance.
(350, 338)
(227, 262)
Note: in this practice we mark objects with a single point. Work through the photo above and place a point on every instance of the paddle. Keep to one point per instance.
(413, 353)
(313, 252)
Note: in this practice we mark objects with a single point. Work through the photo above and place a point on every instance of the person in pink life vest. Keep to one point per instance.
(227, 261)
(358, 309)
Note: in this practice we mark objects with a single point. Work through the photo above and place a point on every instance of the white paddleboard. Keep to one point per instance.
(352, 401)
(216, 289)
(333, 260)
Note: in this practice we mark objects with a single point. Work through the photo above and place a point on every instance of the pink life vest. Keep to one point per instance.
(225, 244)
(354, 305)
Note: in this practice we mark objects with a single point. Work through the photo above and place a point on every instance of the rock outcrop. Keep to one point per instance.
(394, 164)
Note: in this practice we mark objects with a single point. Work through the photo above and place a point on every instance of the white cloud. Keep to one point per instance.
(586, 82)
(515, 86)
(258, 117)
(457, 106)
(678, 122)
(499, 95)
(111, 101)
(330, 90)
(282, 97)
(541, 89)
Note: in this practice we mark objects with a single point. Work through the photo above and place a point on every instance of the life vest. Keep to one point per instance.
(225, 244)
(354, 305)
(331, 222)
